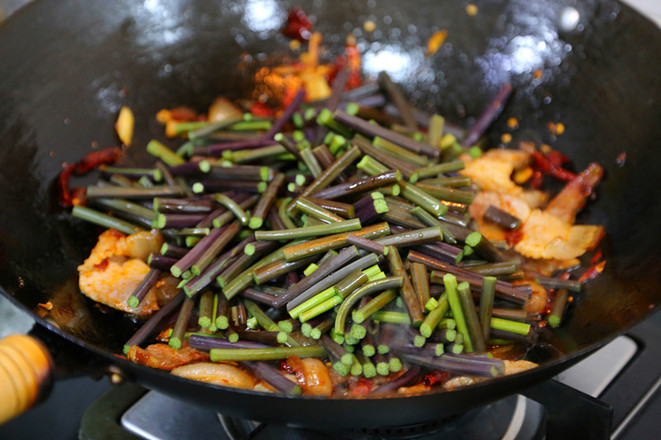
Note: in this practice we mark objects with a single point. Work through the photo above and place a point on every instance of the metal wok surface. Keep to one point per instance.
(68, 66)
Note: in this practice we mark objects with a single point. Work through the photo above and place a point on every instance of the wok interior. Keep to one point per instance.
(68, 67)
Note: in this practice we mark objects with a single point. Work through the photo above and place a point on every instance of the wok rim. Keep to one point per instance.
(553, 366)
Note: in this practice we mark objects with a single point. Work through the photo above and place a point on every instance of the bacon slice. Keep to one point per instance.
(572, 198)
(164, 357)
(547, 236)
(116, 266)
(312, 375)
(217, 373)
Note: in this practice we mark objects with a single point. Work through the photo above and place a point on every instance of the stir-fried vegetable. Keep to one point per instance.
(321, 252)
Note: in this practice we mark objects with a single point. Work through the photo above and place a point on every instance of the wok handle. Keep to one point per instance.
(25, 369)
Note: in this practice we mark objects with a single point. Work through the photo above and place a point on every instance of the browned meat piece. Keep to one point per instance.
(164, 357)
(116, 266)
(217, 373)
(571, 199)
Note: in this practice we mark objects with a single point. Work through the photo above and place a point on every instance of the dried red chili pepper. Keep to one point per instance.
(298, 25)
(362, 387)
(435, 377)
(593, 271)
(351, 58)
(79, 196)
(259, 109)
(556, 158)
(289, 95)
(84, 165)
(536, 180)
(96, 158)
(63, 185)
(545, 165)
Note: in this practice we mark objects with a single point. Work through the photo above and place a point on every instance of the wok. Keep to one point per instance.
(67, 67)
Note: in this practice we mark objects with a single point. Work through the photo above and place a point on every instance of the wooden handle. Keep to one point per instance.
(25, 365)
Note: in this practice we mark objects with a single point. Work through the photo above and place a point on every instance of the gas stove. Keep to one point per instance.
(613, 393)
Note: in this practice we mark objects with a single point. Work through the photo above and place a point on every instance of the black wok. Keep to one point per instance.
(67, 67)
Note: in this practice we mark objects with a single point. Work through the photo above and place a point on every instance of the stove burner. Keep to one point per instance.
(513, 418)
(631, 360)
(238, 429)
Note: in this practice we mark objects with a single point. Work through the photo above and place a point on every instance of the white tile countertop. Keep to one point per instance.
(649, 8)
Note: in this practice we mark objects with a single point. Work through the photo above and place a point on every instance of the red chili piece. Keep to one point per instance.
(536, 180)
(564, 275)
(593, 272)
(435, 377)
(96, 158)
(362, 387)
(79, 196)
(259, 109)
(556, 158)
(298, 26)
(84, 165)
(351, 58)
(63, 185)
(550, 166)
